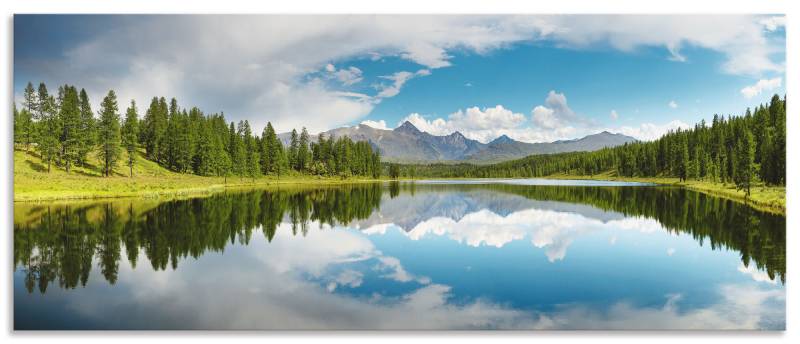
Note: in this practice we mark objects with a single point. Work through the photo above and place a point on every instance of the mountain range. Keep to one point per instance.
(406, 143)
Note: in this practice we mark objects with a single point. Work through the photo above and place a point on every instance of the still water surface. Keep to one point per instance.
(456, 255)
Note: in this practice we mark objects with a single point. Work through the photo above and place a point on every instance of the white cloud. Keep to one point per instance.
(346, 76)
(398, 79)
(475, 123)
(190, 57)
(773, 23)
(650, 131)
(670, 251)
(555, 112)
(552, 121)
(740, 38)
(763, 85)
(672, 104)
(375, 124)
(614, 115)
(755, 274)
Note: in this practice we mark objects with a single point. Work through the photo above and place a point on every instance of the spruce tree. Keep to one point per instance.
(47, 126)
(88, 132)
(109, 133)
(70, 117)
(130, 133)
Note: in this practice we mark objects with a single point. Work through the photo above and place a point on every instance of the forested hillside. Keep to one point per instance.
(63, 131)
(738, 149)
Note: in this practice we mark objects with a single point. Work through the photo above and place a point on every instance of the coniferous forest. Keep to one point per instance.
(63, 130)
(742, 150)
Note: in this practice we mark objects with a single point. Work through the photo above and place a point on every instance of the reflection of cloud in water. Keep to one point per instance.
(551, 230)
(266, 288)
(740, 308)
(756, 274)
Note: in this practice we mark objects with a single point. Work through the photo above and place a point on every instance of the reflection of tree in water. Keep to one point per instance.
(758, 236)
(62, 241)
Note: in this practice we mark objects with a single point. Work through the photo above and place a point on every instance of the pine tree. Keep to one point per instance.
(130, 133)
(303, 153)
(87, 131)
(745, 160)
(294, 147)
(47, 127)
(70, 118)
(237, 154)
(109, 133)
(27, 124)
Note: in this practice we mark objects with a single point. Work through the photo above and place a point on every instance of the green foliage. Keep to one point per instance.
(723, 152)
(87, 129)
(394, 171)
(65, 131)
(48, 126)
(109, 133)
(130, 134)
(71, 127)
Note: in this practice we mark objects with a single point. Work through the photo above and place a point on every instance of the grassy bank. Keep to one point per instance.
(33, 183)
(767, 198)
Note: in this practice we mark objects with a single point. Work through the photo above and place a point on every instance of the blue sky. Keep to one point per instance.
(534, 78)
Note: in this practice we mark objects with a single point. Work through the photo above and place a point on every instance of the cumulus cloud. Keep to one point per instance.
(763, 85)
(756, 274)
(650, 131)
(381, 124)
(672, 104)
(552, 121)
(555, 112)
(482, 124)
(190, 57)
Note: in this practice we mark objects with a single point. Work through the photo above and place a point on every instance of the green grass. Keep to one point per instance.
(32, 182)
(767, 198)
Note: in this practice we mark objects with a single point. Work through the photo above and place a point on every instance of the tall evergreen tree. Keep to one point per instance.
(130, 133)
(70, 118)
(109, 133)
(303, 152)
(47, 127)
(237, 153)
(294, 146)
(87, 130)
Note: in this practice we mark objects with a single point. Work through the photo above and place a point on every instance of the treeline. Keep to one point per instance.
(64, 130)
(738, 149)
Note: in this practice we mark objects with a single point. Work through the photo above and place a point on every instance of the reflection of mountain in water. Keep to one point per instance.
(57, 242)
(407, 211)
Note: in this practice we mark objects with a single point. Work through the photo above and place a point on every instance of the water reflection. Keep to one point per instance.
(332, 258)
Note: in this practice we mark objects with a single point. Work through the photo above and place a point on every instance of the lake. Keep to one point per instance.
(427, 255)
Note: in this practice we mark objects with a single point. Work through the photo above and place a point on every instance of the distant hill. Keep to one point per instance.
(406, 143)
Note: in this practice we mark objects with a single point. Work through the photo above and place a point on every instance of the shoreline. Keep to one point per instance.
(719, 190)
(726, 191)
